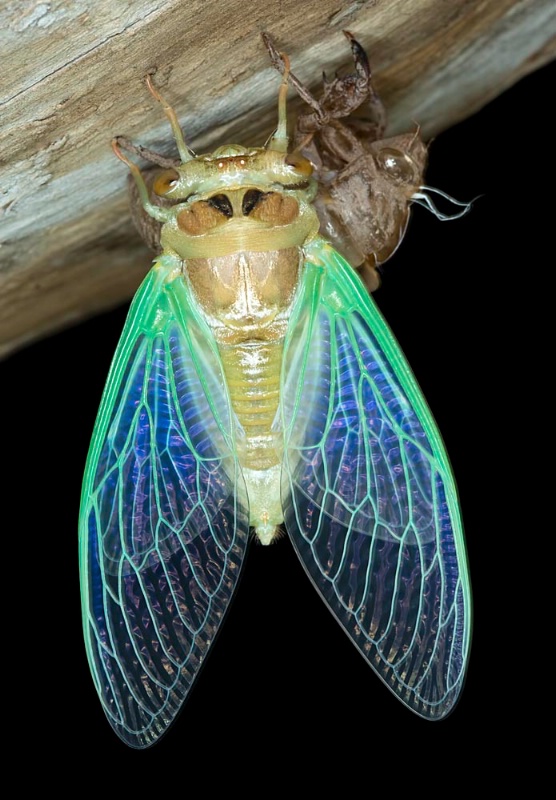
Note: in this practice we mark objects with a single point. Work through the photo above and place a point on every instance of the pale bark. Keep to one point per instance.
(71, 79)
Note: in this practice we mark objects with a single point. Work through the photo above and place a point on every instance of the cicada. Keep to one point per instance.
(256, 387)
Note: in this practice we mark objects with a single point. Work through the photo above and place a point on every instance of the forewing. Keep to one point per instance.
(368, 495)
(164, 513)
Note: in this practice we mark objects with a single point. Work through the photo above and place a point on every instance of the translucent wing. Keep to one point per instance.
(369, 499)
(164, 516)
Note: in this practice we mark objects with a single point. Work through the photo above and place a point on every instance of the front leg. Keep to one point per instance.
(329, 133)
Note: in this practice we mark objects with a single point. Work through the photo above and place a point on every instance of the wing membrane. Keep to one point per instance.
(164, 516)
(370, 502)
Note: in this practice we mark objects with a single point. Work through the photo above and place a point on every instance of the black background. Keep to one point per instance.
(283, 685)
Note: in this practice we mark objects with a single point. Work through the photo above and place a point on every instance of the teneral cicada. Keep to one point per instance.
(256, 386)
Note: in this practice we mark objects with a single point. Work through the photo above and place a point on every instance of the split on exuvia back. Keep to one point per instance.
(256, 386)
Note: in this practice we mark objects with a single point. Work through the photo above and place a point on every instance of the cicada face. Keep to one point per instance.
(235, 200)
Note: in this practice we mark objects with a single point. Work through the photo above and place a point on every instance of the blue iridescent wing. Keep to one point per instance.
(164, 512)
(368, 494)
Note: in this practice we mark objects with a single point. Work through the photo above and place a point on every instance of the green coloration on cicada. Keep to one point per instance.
(256, 385)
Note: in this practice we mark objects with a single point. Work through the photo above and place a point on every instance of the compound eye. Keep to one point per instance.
(300, 164)
(396, 164)
(165, 182)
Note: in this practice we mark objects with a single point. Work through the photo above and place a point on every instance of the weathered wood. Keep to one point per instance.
(72, 79)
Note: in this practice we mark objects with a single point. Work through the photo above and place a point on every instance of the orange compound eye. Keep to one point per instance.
(165, 182)
(300, 164)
